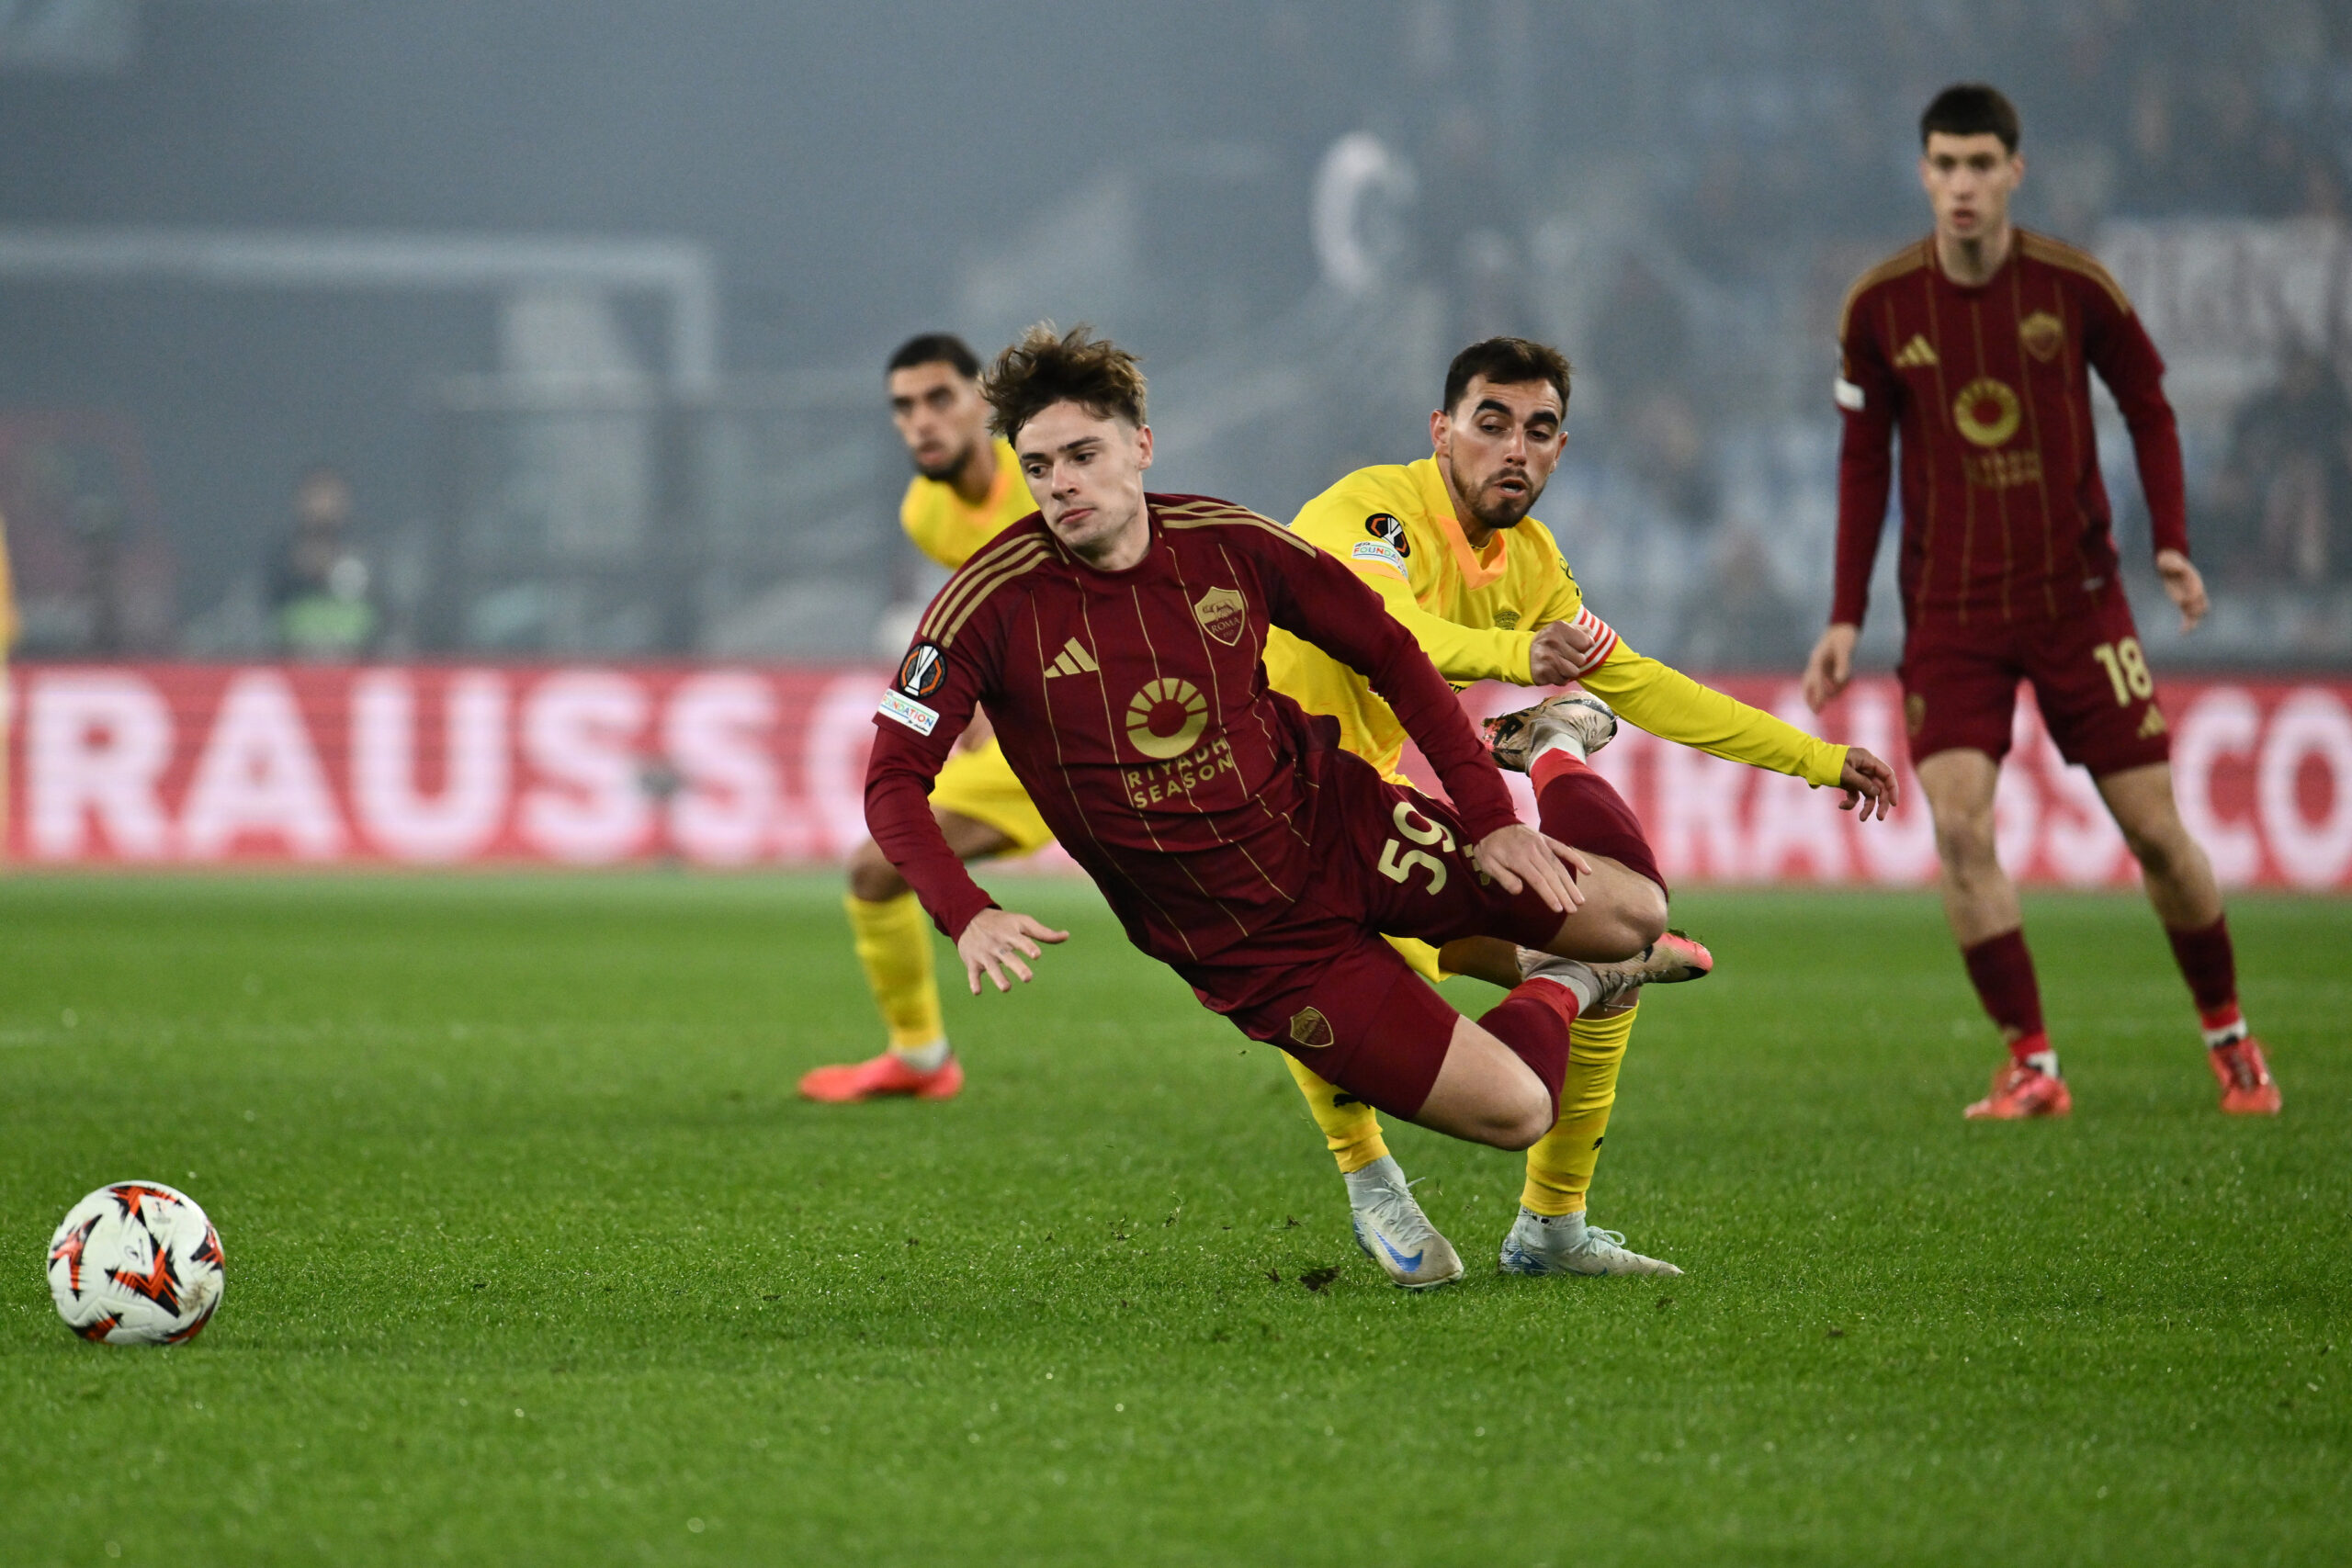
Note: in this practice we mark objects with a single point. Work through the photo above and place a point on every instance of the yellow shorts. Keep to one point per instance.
(1422, 956)
(980, 784)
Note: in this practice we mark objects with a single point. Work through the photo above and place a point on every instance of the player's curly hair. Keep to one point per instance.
(1048, 366)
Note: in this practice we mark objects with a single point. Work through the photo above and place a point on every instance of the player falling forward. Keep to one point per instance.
(1976, 343)
(965, 491)
(1116, 639)
(1482, 587)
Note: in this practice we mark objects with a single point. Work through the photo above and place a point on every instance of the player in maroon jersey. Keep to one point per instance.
(1116, 639)
(1976, 345)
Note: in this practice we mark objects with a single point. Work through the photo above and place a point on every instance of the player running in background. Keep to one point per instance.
(1117, 640)
(967, 489)
(1447, 545)
(1976, 343)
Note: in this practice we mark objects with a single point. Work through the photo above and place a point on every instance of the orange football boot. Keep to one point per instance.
(2247, 1087)
(880, 1075)
(2021, 1092)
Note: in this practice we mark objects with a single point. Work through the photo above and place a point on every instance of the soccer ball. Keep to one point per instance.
(136, 1263)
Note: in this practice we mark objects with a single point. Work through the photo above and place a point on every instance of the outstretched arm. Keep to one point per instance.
(1673, 707)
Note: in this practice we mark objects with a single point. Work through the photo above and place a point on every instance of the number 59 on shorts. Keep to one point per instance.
(1397, 863)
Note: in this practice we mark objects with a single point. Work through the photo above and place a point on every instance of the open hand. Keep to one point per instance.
(1831, 665)
(1558, 652)
(1519, 857)
(1868, 783)
(2184, 585)
(997, 940)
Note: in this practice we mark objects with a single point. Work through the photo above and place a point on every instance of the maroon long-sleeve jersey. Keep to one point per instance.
(2005, 516)
(1133, 706)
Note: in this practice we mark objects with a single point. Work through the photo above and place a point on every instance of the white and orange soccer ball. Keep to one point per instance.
(136, 1263)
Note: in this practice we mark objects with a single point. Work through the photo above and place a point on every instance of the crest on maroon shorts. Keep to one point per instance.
(1309, 1027)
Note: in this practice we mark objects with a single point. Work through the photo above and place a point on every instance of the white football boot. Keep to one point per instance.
(1580, 721)
(1540, 1244)
(1393, 1231)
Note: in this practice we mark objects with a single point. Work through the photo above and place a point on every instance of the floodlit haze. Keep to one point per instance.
(1676, 193)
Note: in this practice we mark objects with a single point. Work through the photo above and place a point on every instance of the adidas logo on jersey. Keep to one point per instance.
(2152, 724)
(1074, 660)
(1916, 354)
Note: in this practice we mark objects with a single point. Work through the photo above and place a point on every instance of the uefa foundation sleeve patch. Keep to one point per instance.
(1375, 550)
(908, 712)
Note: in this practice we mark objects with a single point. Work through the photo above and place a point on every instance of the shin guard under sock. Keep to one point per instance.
(893, 941)
(1578, 807)
(1351, 1129)
(1560, 1164)
(2209, 965)
(2001, 968)
(1534, 1021)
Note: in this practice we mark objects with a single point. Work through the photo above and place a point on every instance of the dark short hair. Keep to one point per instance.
(1507, 361)
(1970, 108)
(1048, 366)
(936, 348)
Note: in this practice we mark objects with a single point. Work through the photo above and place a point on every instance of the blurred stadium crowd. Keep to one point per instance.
(263, 389)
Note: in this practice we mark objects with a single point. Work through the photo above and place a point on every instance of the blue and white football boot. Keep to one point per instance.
(1393, 1231)
(1564, 1243)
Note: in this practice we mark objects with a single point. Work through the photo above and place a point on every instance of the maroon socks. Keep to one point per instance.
(1577, 806)
(1534, 1021)
(2002, 971)
(2211, 967)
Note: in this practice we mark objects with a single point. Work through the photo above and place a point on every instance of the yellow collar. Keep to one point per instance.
(1477, 571)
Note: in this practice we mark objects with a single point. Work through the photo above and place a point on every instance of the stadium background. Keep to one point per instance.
(587, 304)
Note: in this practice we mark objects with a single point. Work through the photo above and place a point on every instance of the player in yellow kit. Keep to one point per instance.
(967, 489)
(1447, 545)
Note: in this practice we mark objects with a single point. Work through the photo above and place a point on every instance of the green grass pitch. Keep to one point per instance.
(535, 1258)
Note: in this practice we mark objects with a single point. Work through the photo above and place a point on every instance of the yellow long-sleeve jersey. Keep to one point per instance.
(947, 528)
(1475, 614)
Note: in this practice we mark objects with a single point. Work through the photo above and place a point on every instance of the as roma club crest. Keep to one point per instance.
(2041, 332)
(1309, 1027)
(1389, 531)
(1222, 612)
(923, 671)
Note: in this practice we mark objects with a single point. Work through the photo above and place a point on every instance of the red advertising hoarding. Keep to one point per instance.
(739, 765)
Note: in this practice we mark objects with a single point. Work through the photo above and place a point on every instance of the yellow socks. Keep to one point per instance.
(1560, 1164)
(1350, 1131)
(893, 941)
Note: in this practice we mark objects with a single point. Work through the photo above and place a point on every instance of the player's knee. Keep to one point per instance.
(1646, 911)
(1964, 840)
(1516, 1122)
(2164, 852)
(872, 877)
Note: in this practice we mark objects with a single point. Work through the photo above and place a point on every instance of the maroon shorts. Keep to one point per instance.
(1322, 985)
(2090, 679)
